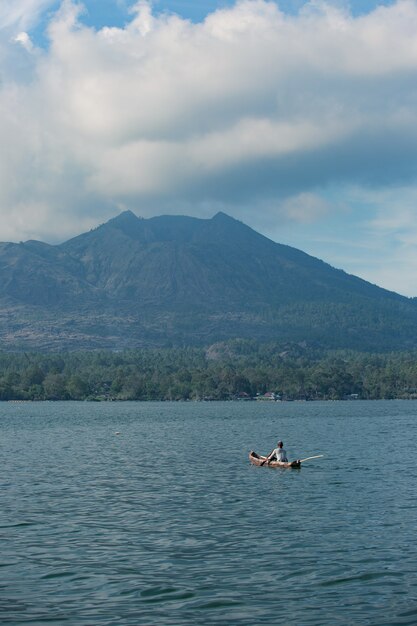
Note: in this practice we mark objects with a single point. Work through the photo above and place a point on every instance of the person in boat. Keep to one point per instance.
(279, 454)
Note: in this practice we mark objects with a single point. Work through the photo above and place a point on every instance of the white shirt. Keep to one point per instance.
(281, 455)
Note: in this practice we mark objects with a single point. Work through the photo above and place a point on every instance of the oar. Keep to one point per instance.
(263, 462)
(311, 457)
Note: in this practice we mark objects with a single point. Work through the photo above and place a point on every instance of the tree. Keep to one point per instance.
(54, 387)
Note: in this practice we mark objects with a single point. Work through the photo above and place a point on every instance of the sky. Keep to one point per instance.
(297, 118)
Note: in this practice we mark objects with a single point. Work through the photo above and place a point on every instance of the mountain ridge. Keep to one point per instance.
(178, 280)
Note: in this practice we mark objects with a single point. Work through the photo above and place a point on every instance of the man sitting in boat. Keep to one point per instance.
(279, 454)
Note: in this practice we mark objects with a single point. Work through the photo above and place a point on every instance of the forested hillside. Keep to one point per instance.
(226, 371)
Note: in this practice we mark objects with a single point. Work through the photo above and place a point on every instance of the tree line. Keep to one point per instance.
(237, 369)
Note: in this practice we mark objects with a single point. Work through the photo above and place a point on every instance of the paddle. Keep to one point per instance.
(318, 456)
(263, 462)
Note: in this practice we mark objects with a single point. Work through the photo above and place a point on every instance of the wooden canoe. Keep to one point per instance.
(257, 459)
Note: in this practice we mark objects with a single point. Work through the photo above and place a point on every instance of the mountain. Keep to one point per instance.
(175, 280)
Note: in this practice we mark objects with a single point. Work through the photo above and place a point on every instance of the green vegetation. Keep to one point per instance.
(229, 370)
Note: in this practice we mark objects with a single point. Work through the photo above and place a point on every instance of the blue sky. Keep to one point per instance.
(101, 13)
(298, 118)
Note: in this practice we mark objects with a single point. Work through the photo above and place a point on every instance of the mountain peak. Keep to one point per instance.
(222, 217)
(127, 222)
(125, 217)
(137, 282)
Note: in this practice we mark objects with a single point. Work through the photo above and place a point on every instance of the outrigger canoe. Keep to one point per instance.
(257, 459)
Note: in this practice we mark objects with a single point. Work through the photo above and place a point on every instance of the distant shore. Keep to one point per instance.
(238, 370)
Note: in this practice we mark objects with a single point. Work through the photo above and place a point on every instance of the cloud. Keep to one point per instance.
(249, 109)
(372, 233)
(24, 39)
(306, 207)
(394, 228)
(22, 14)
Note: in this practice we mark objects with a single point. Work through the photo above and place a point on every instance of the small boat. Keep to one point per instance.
(257, 459)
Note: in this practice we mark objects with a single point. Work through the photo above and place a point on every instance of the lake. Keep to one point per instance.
(167, 523)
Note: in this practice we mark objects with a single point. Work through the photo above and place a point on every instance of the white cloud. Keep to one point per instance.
(21, 14)
(306, 207)
(382, 246)
(250, 108)
(24, 40)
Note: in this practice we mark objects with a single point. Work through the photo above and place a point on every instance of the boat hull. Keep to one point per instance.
(257, 459)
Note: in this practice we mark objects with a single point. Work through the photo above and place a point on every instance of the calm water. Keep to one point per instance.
(168, 523)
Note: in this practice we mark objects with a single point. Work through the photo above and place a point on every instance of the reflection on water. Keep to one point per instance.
(168, 523)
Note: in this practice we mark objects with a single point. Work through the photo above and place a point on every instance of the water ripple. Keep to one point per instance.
(95, 532)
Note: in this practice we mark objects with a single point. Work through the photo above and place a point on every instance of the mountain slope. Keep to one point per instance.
(182, 280)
